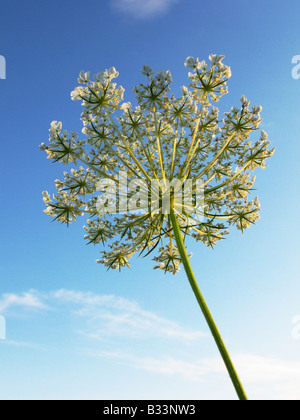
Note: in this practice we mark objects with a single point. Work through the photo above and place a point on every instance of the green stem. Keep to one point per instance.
(206, 312)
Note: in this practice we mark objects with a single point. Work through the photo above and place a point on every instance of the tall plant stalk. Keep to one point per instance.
(205, 310)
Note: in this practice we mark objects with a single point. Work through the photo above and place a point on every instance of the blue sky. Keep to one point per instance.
(75, 331)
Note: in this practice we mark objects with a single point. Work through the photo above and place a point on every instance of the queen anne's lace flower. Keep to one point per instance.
(147, 71)
(169, 259)
(164, 139)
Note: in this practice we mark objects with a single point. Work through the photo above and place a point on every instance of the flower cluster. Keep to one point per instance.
(169, 259)
(162, 138)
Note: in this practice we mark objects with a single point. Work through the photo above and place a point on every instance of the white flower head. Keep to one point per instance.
(164, 76)
(84, 77)
(227, 72)
(191, 63)
(113, 73)
(244, 101)
(46, 197)
(126, 106)
(85, 131)
(56, 126)
(184, 90)
(147, 71)
(256, 109)
(43, 147)
(101, 77)
(203, 66)
(77, 93)
(264, 135)
(216, 59)
(58, 184)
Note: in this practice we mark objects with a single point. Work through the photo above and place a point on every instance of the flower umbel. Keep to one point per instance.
(163, 138)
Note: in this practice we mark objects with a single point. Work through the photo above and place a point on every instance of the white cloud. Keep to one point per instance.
(263, 377)
(141, 9)
(191, 371)
(102, 316)
(28, 300)
(109, 315)
(21, 344)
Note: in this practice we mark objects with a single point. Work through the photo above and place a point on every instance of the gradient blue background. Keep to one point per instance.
(251, 281)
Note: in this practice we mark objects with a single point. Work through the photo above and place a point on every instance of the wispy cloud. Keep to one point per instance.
(191, 371)
(22, 344)
(26, 300)
(261, 375)
(109, 315)
(142, 9)
(101, 316)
